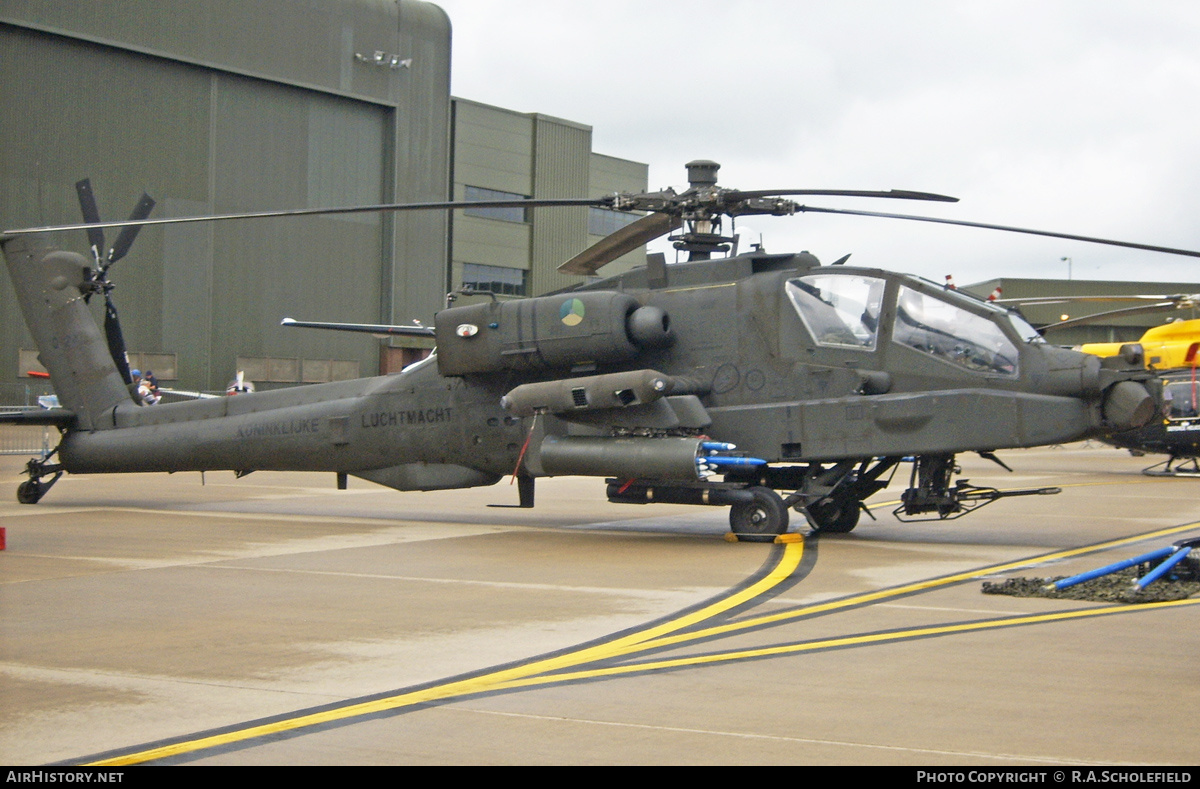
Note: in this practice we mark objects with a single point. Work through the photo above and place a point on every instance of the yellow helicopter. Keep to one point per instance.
(1171, 350)
(1166, 347)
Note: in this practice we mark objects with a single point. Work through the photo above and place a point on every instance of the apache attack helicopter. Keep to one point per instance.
(822, 381)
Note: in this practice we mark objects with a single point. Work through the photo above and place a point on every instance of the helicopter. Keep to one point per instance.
(1170, 346)
(822, 381)
(1175, 433)
(1166, 346)
(1170, 349)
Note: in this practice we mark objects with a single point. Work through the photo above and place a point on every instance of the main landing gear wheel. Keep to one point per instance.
(834, 517)
(759, 520)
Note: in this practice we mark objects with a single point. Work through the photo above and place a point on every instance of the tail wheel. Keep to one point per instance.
(834, 516)
(759, 520)
(30, 492)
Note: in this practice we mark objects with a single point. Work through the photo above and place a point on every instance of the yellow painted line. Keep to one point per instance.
(845, 641)
(900, 591)
(1130, 481)
(540, 672)
(789, 560)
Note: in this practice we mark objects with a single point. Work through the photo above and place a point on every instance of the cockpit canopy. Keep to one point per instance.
(839, 309)
(851, 310)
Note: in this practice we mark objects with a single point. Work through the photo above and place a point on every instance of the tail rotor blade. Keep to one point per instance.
(129, 232)
(91, 215)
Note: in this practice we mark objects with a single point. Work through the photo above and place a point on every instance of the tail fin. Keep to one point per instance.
(49, 285)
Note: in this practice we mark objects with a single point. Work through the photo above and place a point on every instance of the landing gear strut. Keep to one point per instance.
(1174, 466)
(835, 516)
(829, 495)
(31, 490)
(831, 498)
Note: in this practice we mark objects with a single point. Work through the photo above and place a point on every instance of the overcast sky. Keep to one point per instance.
(1080, 117)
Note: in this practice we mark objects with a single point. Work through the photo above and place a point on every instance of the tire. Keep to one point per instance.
(760, 520)
(834, 517)
(30, 492)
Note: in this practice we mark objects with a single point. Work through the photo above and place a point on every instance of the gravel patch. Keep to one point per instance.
(1181, 582)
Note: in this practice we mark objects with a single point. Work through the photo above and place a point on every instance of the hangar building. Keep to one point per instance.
(1127, 327)
(225, 106)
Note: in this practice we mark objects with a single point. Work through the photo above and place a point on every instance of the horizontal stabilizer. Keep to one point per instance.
(37, 416)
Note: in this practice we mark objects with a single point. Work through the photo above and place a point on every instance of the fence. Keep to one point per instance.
(35, 439)
(23, 395)
(25, 439)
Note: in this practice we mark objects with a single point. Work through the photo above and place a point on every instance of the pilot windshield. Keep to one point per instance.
(839, 309)
(952, 334)
(1182, 399)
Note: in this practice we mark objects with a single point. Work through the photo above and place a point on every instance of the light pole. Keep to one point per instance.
(1068, 262)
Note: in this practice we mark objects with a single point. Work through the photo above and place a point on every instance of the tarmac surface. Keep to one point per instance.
(276, 620)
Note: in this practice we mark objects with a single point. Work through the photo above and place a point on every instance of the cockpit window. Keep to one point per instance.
(1026, 332)
(839, 309)
(1182, 399)
(953, 334)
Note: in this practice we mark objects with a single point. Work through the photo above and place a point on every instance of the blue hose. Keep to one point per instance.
(1112, 568)
(1161, 570)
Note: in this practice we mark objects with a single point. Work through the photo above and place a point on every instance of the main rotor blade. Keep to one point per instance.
(1177, 300)
(896, 194)
(91, 215)
(627, 239)
(129, 232)
(359, 209)
(985, 226)
(1127, 312)
(379, 330)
